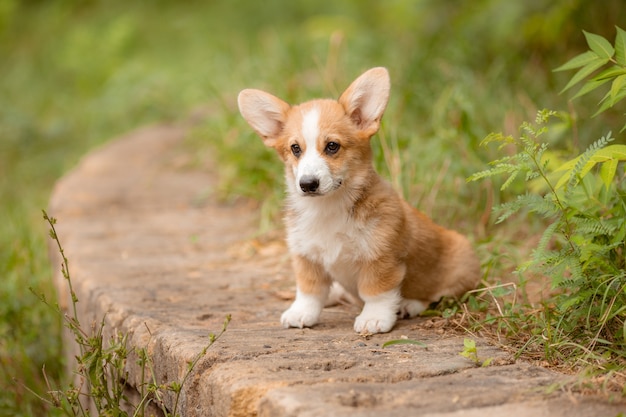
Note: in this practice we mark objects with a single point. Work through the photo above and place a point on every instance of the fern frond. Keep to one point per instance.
(509, 180)
(546, 237)
(550, 258)
(570, 301)
(527, 129)
(492, 172)
(543, 116)
(547, 207)
(577, 168)
(562, 265)
(593, 227)
(531, 202)
(480, 175)
(531, 175)
(596, 260)
(575, 266)
(528, 138)
(507, 209)
(497, 137)
(511, 160)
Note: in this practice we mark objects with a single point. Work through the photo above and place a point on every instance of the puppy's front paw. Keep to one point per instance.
(296, 316)
(304, 312)
(367, 323)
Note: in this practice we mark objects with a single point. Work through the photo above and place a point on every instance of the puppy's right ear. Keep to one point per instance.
(265, 113)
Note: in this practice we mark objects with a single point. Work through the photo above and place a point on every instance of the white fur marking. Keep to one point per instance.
(310, 127)
(379, 313)
(305, 310)
(312, 163)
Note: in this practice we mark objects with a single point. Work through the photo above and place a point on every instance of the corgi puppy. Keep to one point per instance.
(345, 224)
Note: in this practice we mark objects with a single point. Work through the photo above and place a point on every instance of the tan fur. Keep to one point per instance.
(311, 277)
(386, 244)
(439, 262)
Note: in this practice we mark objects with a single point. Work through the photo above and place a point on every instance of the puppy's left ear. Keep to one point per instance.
(366, 99)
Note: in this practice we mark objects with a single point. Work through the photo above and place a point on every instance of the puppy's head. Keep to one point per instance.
(324, 143)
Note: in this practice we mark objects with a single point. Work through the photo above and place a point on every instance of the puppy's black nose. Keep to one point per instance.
(309, 184)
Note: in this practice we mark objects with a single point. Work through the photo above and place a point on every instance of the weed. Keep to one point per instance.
(581, 201)
(100, 372)
(470, 351)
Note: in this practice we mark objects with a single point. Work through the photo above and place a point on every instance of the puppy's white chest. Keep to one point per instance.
(332, 239)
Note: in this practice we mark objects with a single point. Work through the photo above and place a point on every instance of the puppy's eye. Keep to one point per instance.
(295, 150)
(331, 148)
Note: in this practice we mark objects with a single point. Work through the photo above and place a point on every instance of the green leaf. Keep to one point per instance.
(578, 61)
(562, 181)
(620, 46)
(618, 238)
(584, 72)
(612, 72)
(599, 45)
(607, 171)
(568, 165)
(604, 155)
(486, 362)
(469, 344)
(600, 79)
(605, 103)
(614, 152)
(403, 342)
(590, 85)
(617, 86)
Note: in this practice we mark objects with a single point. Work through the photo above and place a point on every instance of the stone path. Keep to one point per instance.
(150, 246)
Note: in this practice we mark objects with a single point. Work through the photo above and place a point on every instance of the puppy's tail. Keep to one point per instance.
(465, 273)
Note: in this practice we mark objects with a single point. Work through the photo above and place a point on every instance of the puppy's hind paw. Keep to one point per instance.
(411, 308)
(338, 295)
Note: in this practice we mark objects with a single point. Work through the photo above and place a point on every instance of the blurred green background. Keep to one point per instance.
(74, 74)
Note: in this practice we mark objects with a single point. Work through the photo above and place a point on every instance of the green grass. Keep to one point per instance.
(76, 73)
